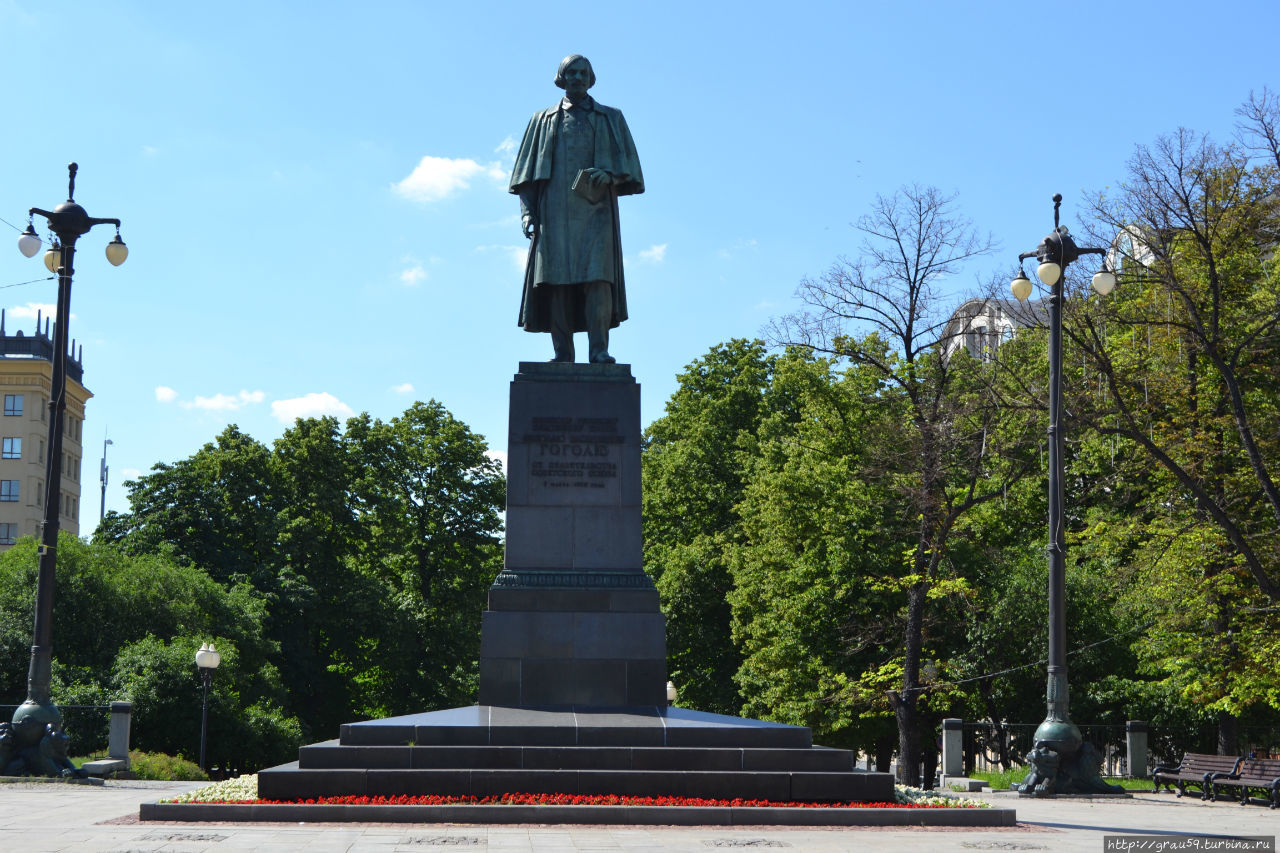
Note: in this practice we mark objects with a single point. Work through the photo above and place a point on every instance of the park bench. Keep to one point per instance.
(1261, 774)
(1196, 769)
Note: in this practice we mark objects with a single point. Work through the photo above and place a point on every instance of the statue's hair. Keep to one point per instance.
(569, 60)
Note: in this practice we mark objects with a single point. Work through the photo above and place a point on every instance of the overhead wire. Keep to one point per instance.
(10, 224)
(32, 281)
(1041, 662)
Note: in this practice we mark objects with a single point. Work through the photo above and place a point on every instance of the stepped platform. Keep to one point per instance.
(484, 750)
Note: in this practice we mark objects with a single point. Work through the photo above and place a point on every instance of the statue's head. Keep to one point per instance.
(569, 60)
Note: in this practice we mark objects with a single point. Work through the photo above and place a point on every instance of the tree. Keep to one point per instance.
(427, 500)
(127, 627)
(1182, 366)
(884, 311)
(370, 548)
(214, 509)
(320, 606)
(694, 463)
(807, 564)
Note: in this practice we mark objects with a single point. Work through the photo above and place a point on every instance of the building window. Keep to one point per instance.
(8, 490)
(8, 534)
(11, 448)
(12, 405)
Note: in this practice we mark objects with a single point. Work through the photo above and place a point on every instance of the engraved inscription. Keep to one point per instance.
(573, 452)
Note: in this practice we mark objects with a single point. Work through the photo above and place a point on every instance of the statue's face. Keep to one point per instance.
(577, 78)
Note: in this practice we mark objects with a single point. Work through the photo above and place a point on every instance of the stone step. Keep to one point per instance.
(496, 725)
(290, 782)
(333, 755)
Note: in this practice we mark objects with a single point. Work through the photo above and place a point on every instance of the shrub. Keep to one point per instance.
(158, 766)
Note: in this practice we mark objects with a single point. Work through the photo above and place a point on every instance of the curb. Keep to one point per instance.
(593, 815)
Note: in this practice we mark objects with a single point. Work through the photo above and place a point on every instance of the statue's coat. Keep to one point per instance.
(615, 152)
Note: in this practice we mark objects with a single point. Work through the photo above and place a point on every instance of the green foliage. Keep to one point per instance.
(111, 611)
(428, 500)
(1180, 388)
(157, 766)
(694, 462)
(806, 611)
(188, 508)
(366, 551)
(246, 728)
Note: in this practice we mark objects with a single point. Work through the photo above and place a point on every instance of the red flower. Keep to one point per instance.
(578, 800)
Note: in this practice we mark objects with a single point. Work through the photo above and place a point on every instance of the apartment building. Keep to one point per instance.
(26, 377)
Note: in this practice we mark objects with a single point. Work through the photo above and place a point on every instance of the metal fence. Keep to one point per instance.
(88, 726)
(988, 746)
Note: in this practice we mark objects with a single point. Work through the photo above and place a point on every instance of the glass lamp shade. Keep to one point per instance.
(671, 692)
(1104, 282)
(208, 657)
(52, 258)
(117, 251)
(1049, 273)
(1021, 287)
(29, 243)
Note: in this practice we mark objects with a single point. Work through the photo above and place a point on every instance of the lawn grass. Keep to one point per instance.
(1000, 780)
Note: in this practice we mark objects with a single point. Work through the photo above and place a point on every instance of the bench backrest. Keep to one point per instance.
(1197, 762)
(1261, 768)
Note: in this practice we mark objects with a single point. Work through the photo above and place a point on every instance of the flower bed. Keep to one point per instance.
(244, 790)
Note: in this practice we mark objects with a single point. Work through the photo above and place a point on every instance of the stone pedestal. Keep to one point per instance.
(573, 649)
(572, 618)
(952, 747)
(1136, 733)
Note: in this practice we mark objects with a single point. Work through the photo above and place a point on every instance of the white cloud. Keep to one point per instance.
(403, 388)
(313, 405)
(654, 254)
(165, 394)
(507, 146)
(130, 473)
(150, 150)
(435, 178)
(499, 456)
(413, 276)
(224, 402)
(33, 309)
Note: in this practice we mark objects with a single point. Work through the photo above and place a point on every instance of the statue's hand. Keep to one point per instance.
(529, 227)
(599, 177)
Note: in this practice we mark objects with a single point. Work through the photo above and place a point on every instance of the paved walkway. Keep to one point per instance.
(56, 817)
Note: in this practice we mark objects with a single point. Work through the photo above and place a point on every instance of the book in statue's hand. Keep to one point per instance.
(589, 189)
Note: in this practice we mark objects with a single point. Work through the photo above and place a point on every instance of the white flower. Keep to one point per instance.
(916, 796)
(241, 788)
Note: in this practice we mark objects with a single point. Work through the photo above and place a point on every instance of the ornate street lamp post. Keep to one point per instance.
(207, 659)
(1060, 761)
(38, 720)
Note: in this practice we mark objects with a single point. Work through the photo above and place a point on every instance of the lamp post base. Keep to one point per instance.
(33, 744)
(1057, 770)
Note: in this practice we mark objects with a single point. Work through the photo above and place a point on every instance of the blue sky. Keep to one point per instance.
(314, 194)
